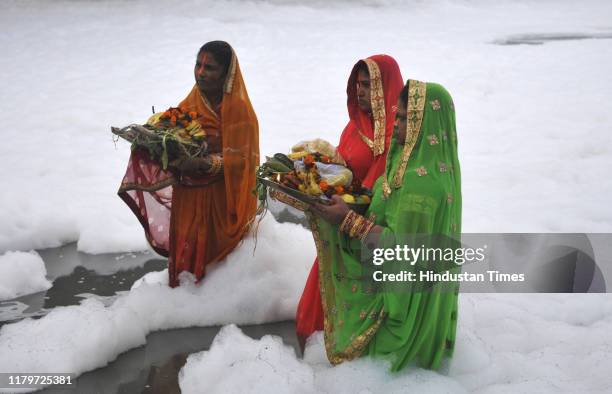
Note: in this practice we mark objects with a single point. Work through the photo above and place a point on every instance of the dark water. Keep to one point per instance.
(76, 275)
(152, 368)
(540, 39)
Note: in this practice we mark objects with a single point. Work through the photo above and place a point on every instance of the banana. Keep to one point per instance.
(153, 120)
(312, 187)
(297, 155)
(194, 127)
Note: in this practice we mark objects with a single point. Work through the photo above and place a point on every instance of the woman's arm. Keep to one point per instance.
(210, 164)
(357, 226)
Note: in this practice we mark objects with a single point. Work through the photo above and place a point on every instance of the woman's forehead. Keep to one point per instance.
(207, 58)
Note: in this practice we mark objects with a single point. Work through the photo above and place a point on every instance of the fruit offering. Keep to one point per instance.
(179, 122)
(312, 174)
(167, 135)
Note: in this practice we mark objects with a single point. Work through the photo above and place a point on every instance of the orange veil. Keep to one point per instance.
(239, 134)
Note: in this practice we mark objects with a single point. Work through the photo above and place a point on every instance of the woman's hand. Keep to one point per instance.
(333, 213)
(192, 164)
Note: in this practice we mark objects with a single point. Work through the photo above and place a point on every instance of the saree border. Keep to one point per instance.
(208, 106)
(286, 199)
(231, 74)
(328, 295)
(377, 101)
(417, 91)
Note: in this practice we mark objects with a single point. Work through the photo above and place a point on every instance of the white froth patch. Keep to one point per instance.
(534, 139)
(22, 273)
(506, 343)
(245, 288)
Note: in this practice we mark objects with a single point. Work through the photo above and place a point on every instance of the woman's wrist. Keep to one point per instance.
(356, 226)
(216, 164)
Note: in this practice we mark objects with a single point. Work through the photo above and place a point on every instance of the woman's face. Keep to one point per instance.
(401, 123)
(363, 91)
(209, 74)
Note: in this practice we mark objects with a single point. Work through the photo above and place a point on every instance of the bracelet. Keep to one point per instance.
(356, 226)
(366, 230)
(348, 222)
(216, 165)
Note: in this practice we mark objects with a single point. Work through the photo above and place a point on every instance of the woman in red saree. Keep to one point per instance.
(372, 92)
(197, 212)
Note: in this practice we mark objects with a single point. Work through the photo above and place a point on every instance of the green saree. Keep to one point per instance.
(419, 193)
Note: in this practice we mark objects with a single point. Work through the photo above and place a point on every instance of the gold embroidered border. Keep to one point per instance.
(366, 140)
(325, 290)
(286, 199)
(328, 295)
(231, 74)
(356, 348)
(207, 104)
(415, 110)
(385, 187)
(377, 100)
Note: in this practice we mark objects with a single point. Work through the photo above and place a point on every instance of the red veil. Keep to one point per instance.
(363, 146)
(368, 162)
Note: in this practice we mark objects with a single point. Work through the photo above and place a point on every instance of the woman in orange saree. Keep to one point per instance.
(197, 212)
(372, 92)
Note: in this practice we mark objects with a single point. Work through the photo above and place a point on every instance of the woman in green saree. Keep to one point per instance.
(419, 193)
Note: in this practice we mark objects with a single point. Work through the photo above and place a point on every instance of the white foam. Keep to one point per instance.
(516, 349)
(243, 289)
(22, 273)
(534, 144)
(533, 125)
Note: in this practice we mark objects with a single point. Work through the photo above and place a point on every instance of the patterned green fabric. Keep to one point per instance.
(400, 321)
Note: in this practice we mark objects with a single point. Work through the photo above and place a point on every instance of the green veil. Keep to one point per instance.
(419, 194)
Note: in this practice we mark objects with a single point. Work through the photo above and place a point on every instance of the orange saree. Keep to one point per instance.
(209, 215)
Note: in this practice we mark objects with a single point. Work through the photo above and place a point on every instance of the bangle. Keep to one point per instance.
(348, 222)
(356, 226)
(216, 165)
(366, 230)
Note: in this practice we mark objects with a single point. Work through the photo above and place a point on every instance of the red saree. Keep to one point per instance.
(363, 146)
(198, 220)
